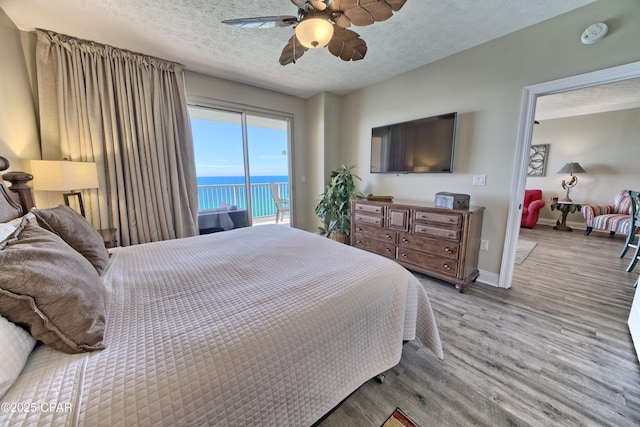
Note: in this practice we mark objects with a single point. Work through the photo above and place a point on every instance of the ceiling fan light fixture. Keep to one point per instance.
(314, 32)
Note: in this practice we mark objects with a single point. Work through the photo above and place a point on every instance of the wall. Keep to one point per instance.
(605, 144)
(19, 135)
(485, 86)
(323, 145)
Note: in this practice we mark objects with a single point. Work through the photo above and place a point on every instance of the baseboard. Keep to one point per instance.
(488, 278)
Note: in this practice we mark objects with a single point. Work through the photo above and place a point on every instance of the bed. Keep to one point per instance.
(267, 325)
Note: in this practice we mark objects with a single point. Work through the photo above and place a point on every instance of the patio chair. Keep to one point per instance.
(633, 240)
(282, 205)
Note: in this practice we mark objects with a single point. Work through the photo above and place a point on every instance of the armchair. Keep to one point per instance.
(614, 218)
(531, 208)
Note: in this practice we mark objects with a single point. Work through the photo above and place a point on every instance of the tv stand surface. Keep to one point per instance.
(438, 242)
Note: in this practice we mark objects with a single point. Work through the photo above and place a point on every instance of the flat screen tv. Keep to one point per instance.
(417, 146)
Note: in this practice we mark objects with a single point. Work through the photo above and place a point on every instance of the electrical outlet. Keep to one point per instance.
(479, 179)
(484, 245)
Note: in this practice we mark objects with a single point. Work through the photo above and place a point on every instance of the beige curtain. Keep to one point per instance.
(128, 113)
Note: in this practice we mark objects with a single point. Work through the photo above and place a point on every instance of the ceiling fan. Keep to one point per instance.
(323, 23)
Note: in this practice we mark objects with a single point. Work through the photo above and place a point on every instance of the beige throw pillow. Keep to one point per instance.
(51, 290)
(76, 231)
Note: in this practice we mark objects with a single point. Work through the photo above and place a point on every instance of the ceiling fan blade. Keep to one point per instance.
(341, 20)
(292, 51)
(318, 5)
(396, 5)
(263, 21)
(366, 12)
(347, 45)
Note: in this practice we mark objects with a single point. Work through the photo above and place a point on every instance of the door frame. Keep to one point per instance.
(206, 102)
(525, 132)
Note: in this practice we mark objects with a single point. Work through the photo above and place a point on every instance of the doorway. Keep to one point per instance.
(530, 96)
(239, 155)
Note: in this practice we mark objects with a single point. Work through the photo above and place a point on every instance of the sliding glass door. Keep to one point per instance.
(240, 157)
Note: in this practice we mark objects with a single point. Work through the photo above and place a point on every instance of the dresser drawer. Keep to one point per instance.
(440, 218)
(398, 218)
(361, 218)
(372, 209)
(426, 244)
(427, 230)
(373, 232)
(442, 265)
(379, 247)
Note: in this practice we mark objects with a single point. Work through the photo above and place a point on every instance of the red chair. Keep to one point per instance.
(531, 208)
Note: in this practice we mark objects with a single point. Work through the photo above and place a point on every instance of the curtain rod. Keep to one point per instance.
(103, 45)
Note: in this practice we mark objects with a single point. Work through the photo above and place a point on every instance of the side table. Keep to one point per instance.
(565, 208)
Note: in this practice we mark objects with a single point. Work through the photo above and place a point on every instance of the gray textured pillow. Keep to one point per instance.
(51, 290)
(76, 231)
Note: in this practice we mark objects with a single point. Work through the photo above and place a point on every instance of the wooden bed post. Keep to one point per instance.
(19, 185)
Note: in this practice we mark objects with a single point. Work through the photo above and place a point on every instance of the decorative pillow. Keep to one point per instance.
(52, 290)
(76, 231)
(6, 230)
(15, 346)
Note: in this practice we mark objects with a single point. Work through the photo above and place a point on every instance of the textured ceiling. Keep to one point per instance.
(597, 99)
(190, 32)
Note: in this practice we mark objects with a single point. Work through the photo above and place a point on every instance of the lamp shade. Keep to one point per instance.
(63, 175)
(572, 168)
(314, 32)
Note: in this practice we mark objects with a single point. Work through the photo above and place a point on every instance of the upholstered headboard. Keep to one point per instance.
(18, 198)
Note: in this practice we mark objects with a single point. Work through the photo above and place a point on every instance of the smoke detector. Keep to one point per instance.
(594, 33)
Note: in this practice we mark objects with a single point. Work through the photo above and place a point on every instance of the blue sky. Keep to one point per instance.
(218, 149)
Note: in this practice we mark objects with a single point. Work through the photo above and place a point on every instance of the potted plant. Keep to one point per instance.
(334, 206)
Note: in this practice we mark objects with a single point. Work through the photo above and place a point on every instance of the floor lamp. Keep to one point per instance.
(66, 176)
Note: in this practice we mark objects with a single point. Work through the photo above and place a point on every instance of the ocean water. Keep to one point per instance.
(230, 190)
(210, 180)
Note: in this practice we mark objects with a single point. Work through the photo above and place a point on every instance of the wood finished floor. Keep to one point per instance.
(554, 350)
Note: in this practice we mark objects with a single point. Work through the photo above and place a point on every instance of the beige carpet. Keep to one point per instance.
(399, 419)
(523, 250)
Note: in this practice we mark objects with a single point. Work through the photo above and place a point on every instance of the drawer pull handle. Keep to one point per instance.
(447, 267)
(359, 230)
(359, 242)
(389, 236)
(388, 250)
(403, 255)
(447, 250)
(404, 240)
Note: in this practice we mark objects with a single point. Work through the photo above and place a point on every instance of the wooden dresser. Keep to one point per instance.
(442, 243)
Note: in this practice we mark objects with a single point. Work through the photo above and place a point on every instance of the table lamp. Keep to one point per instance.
(570, 168)
(66, 176)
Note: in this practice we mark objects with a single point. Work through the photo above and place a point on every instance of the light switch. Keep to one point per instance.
(479, 179)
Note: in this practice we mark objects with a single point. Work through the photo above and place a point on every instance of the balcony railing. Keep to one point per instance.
(262, 205)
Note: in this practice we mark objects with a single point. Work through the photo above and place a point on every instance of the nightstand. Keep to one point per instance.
(109, 236)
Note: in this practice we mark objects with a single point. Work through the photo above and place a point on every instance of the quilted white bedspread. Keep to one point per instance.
(258, 326)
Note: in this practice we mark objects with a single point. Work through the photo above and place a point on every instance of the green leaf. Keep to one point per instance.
(334, 205)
